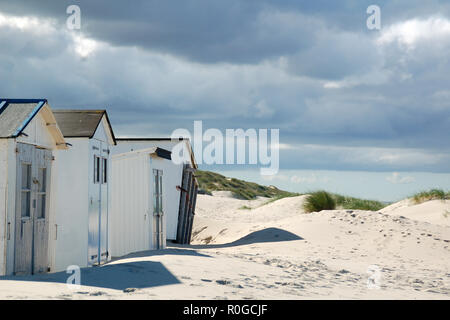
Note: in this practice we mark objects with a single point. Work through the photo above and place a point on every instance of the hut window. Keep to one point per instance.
(157, 191)
(42, 194)
(41, 206)
(96, 169)
(26, 190)
(105, 170)
(42, 178)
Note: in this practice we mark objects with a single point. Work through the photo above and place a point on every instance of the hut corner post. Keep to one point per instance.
(188, 198)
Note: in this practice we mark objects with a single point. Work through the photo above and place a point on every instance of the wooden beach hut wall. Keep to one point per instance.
(29, 137)
(140, 197)
(180, 184)
(83, 197)
(188, 200)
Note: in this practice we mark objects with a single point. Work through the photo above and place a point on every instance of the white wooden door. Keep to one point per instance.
(98, 204)
(32, 203)
(158, 210)
(103, 223)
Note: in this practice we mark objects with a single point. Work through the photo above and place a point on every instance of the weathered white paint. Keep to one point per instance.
(41, 134)
(69, 228)
(102, 133)
(11, 204)
(69, 244)
(173, 174)
(38, 134)
(3, 208)
(131, 218)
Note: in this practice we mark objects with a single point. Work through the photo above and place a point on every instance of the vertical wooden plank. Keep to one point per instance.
(182, 208)
(41, 225)
(23, 225)
(187, 207)
(194, 202)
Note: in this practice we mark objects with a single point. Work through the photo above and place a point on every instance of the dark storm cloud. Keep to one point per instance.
(309, 68)
(223, 31)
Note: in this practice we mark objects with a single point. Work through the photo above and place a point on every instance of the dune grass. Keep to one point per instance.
(357, 204)
(433, 194)
(318, 201)
(211, 181)
(322, 200)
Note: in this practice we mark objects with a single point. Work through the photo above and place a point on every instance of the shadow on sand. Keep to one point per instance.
(119, 276)
(147, 274)
(172, 249)
(261, 236)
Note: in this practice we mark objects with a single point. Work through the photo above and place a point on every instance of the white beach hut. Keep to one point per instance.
(82, 201)
(139, 198)
(29, 136)
(180, 184)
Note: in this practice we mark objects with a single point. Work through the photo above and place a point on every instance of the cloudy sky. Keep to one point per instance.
(344, 97)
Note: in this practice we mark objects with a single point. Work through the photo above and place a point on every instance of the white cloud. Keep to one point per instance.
(83, 46)
(396, 178)
(410, 32)
(279, 177)
(262, 110)
(371, 156)
(27, 24)
(39, 27)
(299, 179)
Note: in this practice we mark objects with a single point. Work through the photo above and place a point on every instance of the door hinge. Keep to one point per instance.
(17, 150)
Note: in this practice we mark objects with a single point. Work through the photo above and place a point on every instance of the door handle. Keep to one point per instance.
(21, 228)
(9, 231)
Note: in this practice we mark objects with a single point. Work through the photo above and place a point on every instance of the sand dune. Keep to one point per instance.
(276, 251)
(434, 211)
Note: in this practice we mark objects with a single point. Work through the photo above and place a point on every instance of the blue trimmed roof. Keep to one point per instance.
(16, 114)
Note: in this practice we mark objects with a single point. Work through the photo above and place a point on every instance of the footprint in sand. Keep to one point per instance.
(98, 293)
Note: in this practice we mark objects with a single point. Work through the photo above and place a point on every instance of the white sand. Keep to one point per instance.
(435, 211)
(275, 251)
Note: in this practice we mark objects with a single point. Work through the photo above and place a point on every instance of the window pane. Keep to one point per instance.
(41, 206)
(42, 177)
(155, 192)
(96, 169)
(26, 176)
(25, 203)
(105, 171)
